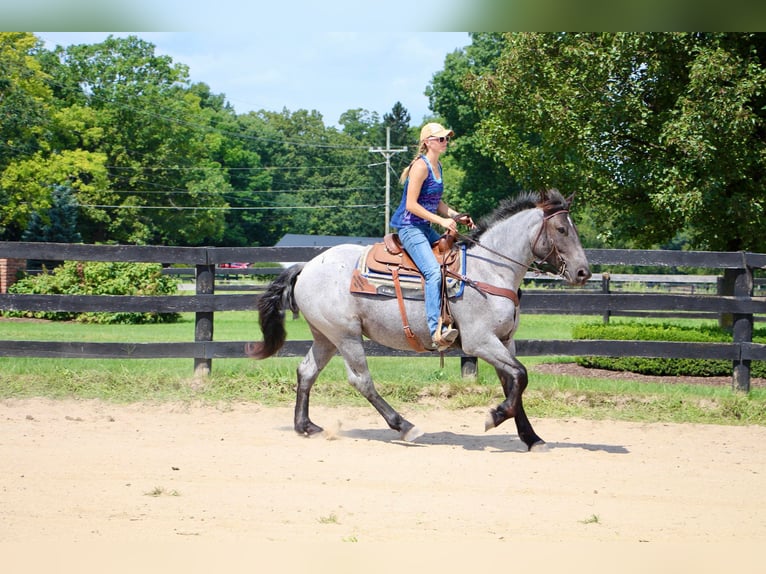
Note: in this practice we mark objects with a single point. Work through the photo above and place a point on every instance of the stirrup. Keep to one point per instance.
(443, 339)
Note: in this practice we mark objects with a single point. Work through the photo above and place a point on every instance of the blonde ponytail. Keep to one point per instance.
(406, 173)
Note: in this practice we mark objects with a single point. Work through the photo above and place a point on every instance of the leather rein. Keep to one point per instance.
(535, 265)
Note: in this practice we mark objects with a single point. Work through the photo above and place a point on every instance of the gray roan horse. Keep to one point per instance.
(534, 227)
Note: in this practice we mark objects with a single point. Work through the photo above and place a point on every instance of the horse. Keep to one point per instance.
(535, 227)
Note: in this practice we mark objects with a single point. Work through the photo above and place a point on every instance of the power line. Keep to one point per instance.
(224, 168)
(215, 208)
(229, 192)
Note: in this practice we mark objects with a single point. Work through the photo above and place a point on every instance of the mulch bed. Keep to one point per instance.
(575, 370)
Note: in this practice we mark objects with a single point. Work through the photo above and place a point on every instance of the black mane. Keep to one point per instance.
(549, 200)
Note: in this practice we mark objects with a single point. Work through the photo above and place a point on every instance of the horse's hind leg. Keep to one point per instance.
(312, 364)
(359, 376)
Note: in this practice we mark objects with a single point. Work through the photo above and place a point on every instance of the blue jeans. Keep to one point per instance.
(417, 240)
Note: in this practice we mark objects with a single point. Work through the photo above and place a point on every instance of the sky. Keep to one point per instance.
(331, 72)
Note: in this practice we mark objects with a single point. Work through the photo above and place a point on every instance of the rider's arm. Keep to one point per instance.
(418, 174)
(447, 211)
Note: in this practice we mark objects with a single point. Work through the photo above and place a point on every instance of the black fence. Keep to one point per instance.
(600, 298)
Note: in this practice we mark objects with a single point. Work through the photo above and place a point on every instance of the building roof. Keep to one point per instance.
(298, 240)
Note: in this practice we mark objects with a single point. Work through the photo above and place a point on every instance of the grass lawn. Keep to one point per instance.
(418, 382)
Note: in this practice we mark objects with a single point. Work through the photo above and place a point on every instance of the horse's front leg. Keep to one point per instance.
(514, 379)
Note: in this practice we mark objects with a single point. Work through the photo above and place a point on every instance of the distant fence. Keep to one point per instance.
(204, 263)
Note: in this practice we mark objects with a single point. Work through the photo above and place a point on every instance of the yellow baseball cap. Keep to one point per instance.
(434, 130)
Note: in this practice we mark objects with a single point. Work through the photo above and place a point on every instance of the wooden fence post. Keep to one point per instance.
(469, 367)
(605, 288)
(203, 326)
(742, 328)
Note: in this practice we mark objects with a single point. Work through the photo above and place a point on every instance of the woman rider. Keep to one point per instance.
(420, 207)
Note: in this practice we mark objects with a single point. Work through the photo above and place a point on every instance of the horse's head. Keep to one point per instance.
(558, 243)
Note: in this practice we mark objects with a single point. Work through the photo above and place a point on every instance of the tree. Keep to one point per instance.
(59, 224)
(362, 125)
(28, 183)
(156, 133)
(24, 108)
(397, 121)
(320, 177)
(658, 132)
(24, 96)
(479, 181)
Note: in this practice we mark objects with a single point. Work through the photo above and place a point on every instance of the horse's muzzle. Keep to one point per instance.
(578, 275)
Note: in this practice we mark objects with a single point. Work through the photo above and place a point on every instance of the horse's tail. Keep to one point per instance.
(277, 298)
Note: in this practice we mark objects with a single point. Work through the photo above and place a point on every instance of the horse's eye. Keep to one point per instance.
(562, 230)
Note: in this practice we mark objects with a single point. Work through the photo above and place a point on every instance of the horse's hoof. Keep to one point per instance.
(489, 422)
(411, 435)
(309, 430)
(539, 446)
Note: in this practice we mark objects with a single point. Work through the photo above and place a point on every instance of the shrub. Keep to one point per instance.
(663, 332)
(98, 278)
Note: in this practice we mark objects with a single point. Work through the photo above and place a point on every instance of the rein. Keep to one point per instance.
(533, 266)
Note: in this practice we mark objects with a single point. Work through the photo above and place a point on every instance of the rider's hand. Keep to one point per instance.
(465, 219)
(449, 224)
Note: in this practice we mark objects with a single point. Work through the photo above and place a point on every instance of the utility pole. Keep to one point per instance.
(388, 153)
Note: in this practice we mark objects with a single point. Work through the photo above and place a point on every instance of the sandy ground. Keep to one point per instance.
(85, 471)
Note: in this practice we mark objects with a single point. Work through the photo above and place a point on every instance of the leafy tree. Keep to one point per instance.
(59, 224)
(398, 122)
(362, 125)
(24, 108)
(659, 132)
(479, 181)
(24, 96)
(320, 178)
(28, 183)
(138, 109)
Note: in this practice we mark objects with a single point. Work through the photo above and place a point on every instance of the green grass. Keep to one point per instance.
(416, 383)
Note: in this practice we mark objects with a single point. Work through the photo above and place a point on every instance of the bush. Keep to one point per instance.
(663, 332)
(98, 278)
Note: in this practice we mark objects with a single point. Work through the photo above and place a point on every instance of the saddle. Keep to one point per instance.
(386, 263)
(389, 259)
(389, 255)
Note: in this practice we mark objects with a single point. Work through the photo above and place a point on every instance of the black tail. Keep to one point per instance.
(277, 298)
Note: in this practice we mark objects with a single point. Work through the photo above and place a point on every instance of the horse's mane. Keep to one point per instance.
(548, 200)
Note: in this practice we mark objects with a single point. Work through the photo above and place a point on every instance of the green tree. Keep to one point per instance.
(157, 135)
(24, 109)
(28, 183)
(320, 178)
(477, 181)
(362, 125)
(398, 122)
(59, 224)
(24, 96)
(658, 132)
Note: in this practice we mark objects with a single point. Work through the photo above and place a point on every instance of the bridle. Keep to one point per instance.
(553, 254)
(543, 266)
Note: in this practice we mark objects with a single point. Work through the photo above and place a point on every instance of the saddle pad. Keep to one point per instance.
(365, 280)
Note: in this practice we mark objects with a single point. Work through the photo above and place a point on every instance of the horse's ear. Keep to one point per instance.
(570, 199)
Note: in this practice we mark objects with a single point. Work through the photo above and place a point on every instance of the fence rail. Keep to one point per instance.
(742, 306)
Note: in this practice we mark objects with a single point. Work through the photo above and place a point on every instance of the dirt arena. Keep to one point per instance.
(87, 471)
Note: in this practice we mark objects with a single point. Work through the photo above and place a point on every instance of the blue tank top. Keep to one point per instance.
(430, 195)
